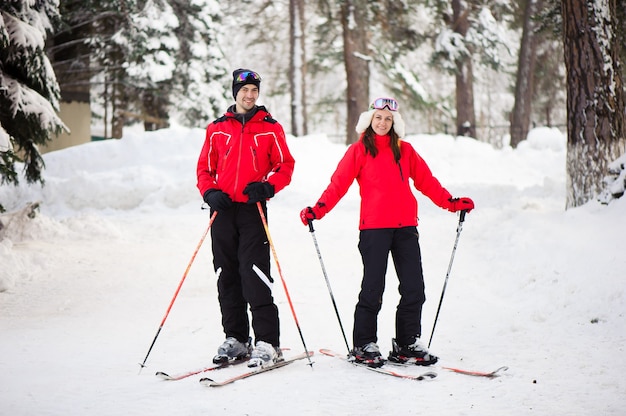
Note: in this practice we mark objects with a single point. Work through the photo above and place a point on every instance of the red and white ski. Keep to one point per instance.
(253, 372)
(381, 370)
(488, 374)
(165, 376)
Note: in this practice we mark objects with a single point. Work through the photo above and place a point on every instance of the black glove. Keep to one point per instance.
(217, 200)
(258, 191)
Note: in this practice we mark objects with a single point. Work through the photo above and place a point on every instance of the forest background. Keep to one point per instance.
(487, 69)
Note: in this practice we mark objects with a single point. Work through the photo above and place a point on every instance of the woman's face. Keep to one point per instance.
(382, 122)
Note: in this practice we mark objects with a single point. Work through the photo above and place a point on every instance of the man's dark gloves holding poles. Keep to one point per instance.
(217, 200)
(258, 191)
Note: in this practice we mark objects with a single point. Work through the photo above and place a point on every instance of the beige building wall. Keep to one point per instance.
(77, 117)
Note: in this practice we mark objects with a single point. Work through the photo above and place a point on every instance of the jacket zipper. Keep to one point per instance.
(239, 156)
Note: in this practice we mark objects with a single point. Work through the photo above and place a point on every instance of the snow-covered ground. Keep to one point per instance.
(88, 281)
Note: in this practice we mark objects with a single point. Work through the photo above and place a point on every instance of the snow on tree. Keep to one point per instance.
(615, 181)
(150, 46)
(29, 91)
(202, 73)
(156, 59)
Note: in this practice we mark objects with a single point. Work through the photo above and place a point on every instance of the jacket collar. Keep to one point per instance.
(244, 118)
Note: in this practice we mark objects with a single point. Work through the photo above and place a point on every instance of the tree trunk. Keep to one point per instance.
(116, 86)
(297, 68)
(524, 83)
(155, 110)
(595, 96)
(465, 114)
(119, 106)
(356, 58)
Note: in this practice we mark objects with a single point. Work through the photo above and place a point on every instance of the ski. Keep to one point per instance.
(165, 376)
(233, 361)
(488, 374)
(381, 370)
(253, 372)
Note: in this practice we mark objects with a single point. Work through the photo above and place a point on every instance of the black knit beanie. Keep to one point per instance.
(249, 79)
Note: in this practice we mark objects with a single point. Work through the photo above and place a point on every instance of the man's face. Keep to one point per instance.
(246, 98)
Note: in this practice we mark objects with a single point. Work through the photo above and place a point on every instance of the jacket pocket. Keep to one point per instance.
(255, 160)
(223, 161)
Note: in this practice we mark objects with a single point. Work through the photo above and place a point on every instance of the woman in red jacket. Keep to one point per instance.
(382, 163)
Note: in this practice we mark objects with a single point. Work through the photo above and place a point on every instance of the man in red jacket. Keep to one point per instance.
(382, 163)
(244, 160)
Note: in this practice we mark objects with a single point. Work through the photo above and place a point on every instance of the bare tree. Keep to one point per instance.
(297, 68)
(524, 83)
(465, 113)
(354, 23)
(595, 96)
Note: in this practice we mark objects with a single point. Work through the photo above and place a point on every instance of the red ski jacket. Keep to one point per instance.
(237, 152)
(386, 197)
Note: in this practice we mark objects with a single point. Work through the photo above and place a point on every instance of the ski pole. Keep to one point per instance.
(330, 291)
(293, 312)
(458, 233)
(143, 364)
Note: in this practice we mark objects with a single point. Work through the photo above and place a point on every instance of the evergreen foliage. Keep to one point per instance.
(156, 60)
(29, 92)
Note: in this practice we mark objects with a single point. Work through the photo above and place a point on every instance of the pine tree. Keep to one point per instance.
(376, 36)
(29, 91)
(402, 31)
(148, 54)
(172, 57)
(201, 72)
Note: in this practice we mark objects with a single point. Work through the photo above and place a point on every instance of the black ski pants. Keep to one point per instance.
(241, 258)
(375, 246)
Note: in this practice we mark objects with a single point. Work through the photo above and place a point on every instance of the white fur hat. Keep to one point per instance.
(365, 119)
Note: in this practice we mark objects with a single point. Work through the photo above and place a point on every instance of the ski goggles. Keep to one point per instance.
(381, 103)
(247, 76)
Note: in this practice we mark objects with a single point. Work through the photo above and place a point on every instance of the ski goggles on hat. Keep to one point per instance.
(382, 103)
(247, 76)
